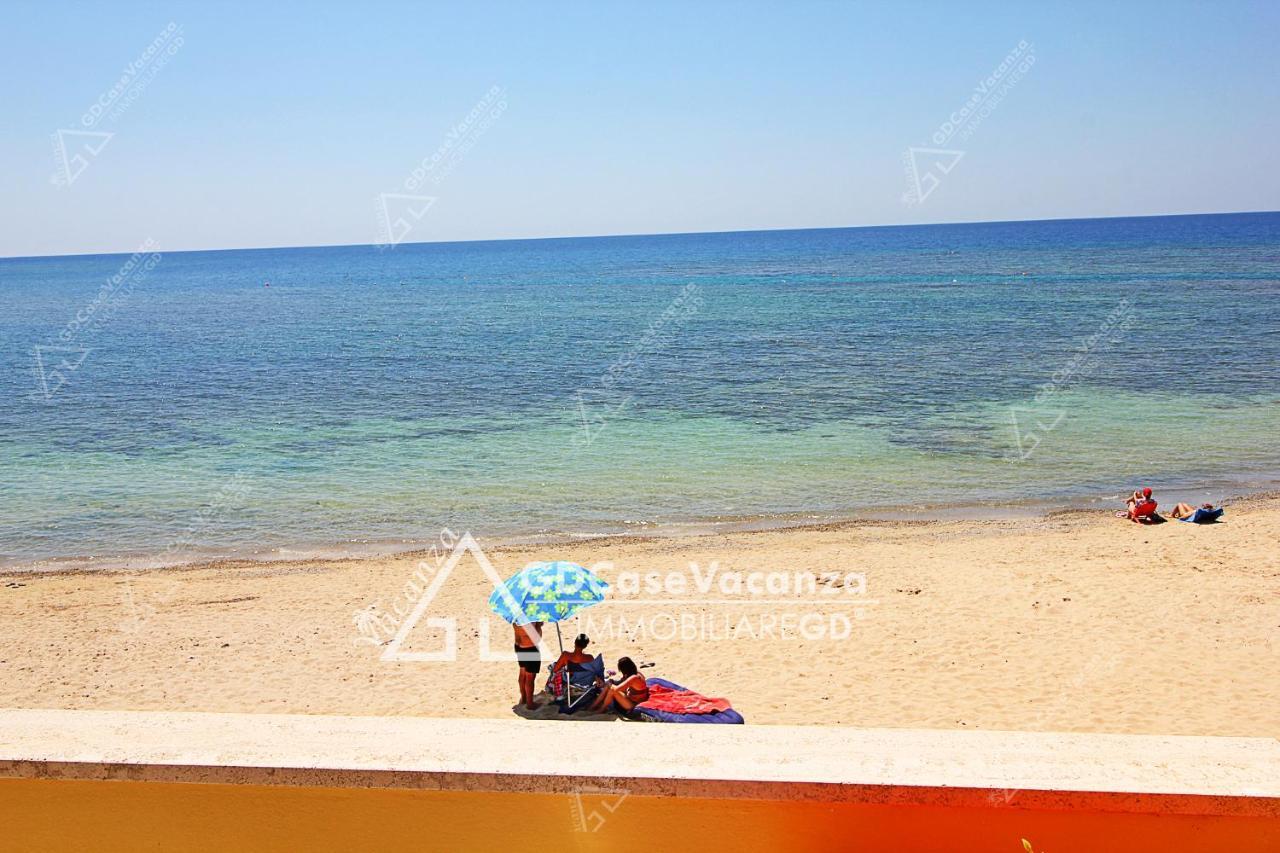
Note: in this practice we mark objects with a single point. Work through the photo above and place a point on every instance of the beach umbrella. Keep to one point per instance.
(547, 592)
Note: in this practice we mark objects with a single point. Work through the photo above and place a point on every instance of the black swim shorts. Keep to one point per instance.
(529, 658)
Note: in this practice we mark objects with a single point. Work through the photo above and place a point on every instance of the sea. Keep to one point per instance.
(162, 407)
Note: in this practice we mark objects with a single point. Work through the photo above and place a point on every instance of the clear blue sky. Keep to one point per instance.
(275, 125)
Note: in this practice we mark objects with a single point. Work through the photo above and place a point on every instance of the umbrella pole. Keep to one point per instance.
(567, 684)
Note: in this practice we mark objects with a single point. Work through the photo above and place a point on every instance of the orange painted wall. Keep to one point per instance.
(56, 815)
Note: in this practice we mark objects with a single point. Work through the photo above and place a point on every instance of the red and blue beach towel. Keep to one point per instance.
(668, 702)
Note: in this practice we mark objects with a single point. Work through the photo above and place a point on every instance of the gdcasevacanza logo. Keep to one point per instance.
(927, 166)
(399, 211)
(695, 602)
(57, 360)
(75, 149)
(714, 602)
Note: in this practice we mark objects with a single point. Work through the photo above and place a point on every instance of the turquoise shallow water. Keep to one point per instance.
(554, 387)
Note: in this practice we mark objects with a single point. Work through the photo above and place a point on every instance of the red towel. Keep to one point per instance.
(682, 701)
(555, 684)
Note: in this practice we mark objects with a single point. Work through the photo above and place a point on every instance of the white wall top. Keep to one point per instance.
(770, 762)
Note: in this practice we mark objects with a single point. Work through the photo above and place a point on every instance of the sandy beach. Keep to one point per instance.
(1075, 621)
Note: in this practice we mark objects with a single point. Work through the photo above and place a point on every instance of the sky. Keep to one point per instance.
(271, 124)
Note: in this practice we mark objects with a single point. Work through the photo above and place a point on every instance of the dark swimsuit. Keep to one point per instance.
(530, 659)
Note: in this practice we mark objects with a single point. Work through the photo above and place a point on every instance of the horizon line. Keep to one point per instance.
(649, 234)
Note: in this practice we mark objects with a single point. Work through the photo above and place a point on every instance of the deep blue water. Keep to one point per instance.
(583, 385)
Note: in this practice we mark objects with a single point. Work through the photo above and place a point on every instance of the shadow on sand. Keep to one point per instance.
(548, 710)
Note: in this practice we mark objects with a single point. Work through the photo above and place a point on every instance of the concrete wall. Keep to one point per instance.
(104, 781)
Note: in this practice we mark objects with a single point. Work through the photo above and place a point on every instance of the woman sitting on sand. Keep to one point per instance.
(626, 694)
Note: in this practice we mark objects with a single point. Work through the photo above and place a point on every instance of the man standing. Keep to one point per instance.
(529, 659)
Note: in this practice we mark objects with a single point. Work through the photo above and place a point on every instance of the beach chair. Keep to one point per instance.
(1145, 512)
(580, 689)
(575, 687)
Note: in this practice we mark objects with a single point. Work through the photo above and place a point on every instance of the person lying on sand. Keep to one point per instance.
(1184, 510)
(578, 655)
(623, 696)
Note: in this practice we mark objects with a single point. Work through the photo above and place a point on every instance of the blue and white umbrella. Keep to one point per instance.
(547, 592)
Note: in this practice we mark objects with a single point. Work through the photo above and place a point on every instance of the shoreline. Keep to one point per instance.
(975, 511)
